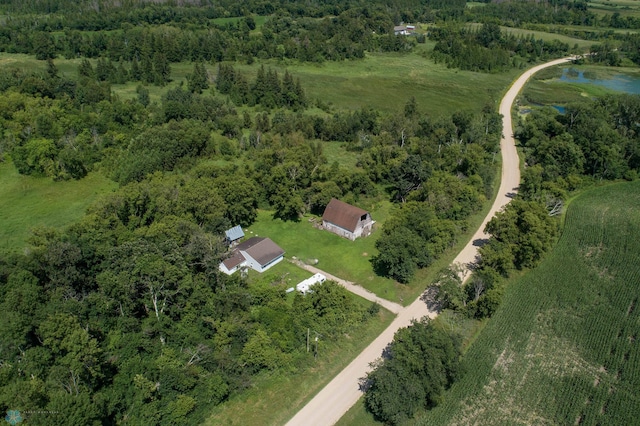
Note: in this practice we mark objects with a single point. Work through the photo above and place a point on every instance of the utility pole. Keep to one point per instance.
(318, 335)
(307, 340)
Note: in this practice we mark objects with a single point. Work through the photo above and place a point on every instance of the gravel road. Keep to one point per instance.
(337, 397)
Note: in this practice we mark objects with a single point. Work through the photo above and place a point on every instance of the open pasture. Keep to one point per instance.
(563, 347)
(27, 202)
(384, 81)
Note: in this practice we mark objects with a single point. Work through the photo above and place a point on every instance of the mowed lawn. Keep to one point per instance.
(350, 260)
(27, 202)
(563, 347)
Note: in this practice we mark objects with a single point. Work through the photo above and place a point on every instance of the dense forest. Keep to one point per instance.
(488, 49)
(124, 317)
(132, 293)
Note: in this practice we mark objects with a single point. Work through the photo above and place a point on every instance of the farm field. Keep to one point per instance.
(581, 29)
(27, 202)
(562, 348)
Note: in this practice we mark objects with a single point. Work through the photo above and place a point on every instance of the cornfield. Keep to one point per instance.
(564, 347)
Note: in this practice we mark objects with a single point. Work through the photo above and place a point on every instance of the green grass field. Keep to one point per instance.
(343, 258)
(27, 202)
(384, 81)
(562, 348)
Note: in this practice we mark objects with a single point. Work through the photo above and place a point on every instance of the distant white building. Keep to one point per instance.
(304, 286)
(257, 253)
(404, 29)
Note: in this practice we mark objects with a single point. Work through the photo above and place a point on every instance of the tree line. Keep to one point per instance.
(347, 34)
(591, 141)
(489, 49)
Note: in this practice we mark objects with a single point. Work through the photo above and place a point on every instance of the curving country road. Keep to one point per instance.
(337, 397)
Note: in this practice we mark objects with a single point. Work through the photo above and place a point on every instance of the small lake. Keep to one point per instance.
(620, 82)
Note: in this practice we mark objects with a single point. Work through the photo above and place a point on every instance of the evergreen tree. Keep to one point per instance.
(136, 73)
(162, 69)
(121, 75)
(85, 69)
(199, 79)
(146, 70)
(143, 95)
(52, 70)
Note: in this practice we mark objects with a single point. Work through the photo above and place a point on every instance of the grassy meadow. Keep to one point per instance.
(27, 202)
(383, 81)
(562, 348)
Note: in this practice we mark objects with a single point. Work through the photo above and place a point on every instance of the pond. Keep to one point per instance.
(620, 82)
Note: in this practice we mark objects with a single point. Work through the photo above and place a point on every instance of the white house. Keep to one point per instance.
(257, 253)
(400, 30)
(404, 29)
(346, 220)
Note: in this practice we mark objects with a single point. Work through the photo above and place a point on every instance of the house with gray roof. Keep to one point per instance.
(346, 220)
(257, 253)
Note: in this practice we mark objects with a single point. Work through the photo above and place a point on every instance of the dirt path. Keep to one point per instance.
(354, 288)
(342, 392)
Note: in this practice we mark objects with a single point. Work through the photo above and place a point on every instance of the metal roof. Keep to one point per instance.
(234, 233)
